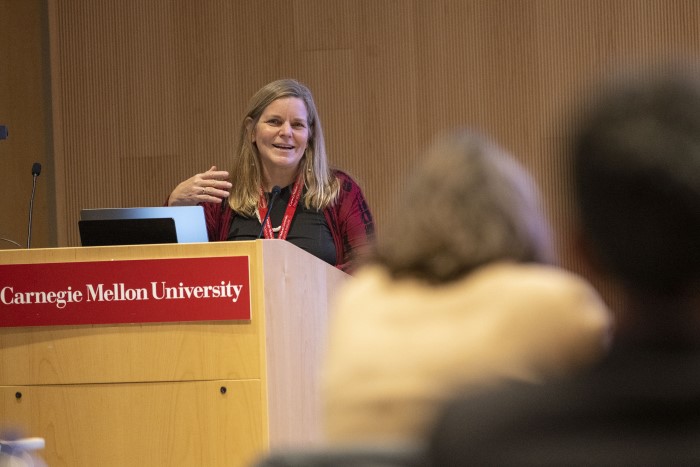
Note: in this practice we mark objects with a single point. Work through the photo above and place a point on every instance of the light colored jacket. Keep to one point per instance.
(397, 350)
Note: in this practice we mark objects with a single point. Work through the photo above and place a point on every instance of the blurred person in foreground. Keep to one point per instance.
(281, 149)
(636, 166)
(460, 293)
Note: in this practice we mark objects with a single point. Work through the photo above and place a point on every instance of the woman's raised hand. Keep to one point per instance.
(211, 186)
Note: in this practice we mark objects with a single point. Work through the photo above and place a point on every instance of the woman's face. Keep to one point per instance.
(282, 133)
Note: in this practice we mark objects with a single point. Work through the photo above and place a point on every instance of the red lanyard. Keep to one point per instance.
(288, 213)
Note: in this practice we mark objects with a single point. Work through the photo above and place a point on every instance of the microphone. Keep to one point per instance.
(273, 196)
(36, 170)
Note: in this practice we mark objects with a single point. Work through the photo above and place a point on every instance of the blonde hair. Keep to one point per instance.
(322, 187)
(469, 203)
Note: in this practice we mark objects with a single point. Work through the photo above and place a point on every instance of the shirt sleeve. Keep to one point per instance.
(355, 223)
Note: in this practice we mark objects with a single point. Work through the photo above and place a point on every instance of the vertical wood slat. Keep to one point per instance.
(23, 94)
(152, 92)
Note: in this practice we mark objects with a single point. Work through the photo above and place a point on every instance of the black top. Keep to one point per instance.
(309, 230)
(640, 406)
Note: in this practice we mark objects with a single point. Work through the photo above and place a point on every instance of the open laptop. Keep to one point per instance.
(134, 226)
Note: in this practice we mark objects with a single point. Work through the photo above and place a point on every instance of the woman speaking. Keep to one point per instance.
(281, 162)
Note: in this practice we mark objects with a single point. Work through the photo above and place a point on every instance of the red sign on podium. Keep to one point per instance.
(129, 291)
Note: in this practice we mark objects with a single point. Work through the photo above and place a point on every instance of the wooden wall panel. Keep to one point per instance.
(25, 111)
(149, 93)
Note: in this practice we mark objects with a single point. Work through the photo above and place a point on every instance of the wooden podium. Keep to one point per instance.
(214, 393)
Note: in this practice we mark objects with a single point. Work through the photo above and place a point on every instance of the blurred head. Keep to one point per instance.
(637, 177)
(321, 187)
(468, 204)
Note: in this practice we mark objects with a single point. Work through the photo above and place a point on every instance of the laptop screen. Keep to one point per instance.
(129, 226)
